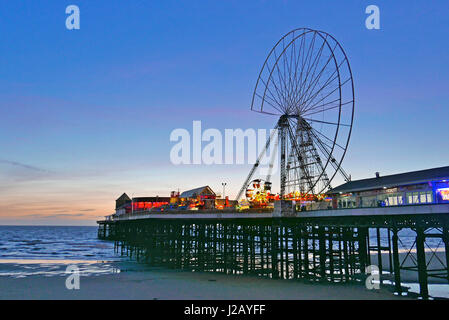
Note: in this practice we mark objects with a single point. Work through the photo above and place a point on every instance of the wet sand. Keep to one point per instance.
(163, 284)
(434, 260)
(138, 281)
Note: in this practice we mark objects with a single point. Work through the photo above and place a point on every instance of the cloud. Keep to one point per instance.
(56, 215)
(22, 165)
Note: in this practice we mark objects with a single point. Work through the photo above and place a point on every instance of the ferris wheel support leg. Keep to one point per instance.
(301, 160)
(253, 169)
(282, 137)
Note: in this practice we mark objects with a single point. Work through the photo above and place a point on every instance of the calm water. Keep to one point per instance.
(32, 243)
(47, 250)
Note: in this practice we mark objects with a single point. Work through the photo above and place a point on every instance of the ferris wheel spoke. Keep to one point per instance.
(272, 96)
(312, 93)
(281, 80)
(279, 92)
(261, 110)
(311, 98)
(295, 80)
(287, 68)
(327, 122)
(301, 54)
(284, 77)
(312, 85)
(289, 92)
(295, 85)
(339, 105)
(324, 144)
(305, 61)
(300, 62)
(316, 60)
(310, 107)
(326, 151)
(334, 162)
(337, 168)
(330, 93)
(323, 147)
(330, 140)
(320, 108)
(265, 112)
(310, 65)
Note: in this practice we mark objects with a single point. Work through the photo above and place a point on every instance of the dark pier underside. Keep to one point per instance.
(335, 249)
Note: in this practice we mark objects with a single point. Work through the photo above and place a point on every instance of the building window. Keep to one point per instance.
(429, 197)
(422, 197)
(369, 201)
(390, 199)
(419, 197)
(346, 201)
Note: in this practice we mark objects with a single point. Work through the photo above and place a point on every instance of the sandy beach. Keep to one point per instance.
(130, 280)
(163, 285)
(33, 264)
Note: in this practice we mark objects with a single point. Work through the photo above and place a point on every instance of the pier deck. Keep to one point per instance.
(409, 210)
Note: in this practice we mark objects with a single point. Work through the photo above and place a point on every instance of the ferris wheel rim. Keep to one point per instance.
(324, 36)
(328, 158)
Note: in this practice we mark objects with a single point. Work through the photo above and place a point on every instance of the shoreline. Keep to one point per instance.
(127, 279)
(181, 285)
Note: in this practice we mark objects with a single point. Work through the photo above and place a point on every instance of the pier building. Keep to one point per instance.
(429, 186)
(202, 197)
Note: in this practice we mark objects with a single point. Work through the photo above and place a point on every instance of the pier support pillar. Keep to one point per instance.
(363, 249)
(379, 255)
(396, 264)
(446, 249)
(274, 251)
(322, 252)
(422, 268)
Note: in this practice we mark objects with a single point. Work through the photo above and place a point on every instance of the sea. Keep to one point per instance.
(49, 250)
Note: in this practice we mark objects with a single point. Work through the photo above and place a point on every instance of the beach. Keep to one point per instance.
(33, 262)
(180, 285)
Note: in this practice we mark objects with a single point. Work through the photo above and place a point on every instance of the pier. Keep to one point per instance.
(322, 245)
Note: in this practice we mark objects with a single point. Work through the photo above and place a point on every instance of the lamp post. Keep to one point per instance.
(224, 186)
(132, 203)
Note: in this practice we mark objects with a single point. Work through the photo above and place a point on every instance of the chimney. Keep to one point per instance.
(377, 174)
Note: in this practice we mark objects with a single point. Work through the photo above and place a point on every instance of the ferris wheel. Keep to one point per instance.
(306, 84)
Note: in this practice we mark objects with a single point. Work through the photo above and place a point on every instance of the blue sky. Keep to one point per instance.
(87, 114)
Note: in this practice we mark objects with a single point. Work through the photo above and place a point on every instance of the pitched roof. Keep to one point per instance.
(123, 197)
(196, 192)
(394, 180)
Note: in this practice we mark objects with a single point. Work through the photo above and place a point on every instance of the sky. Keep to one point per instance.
(87, 114)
